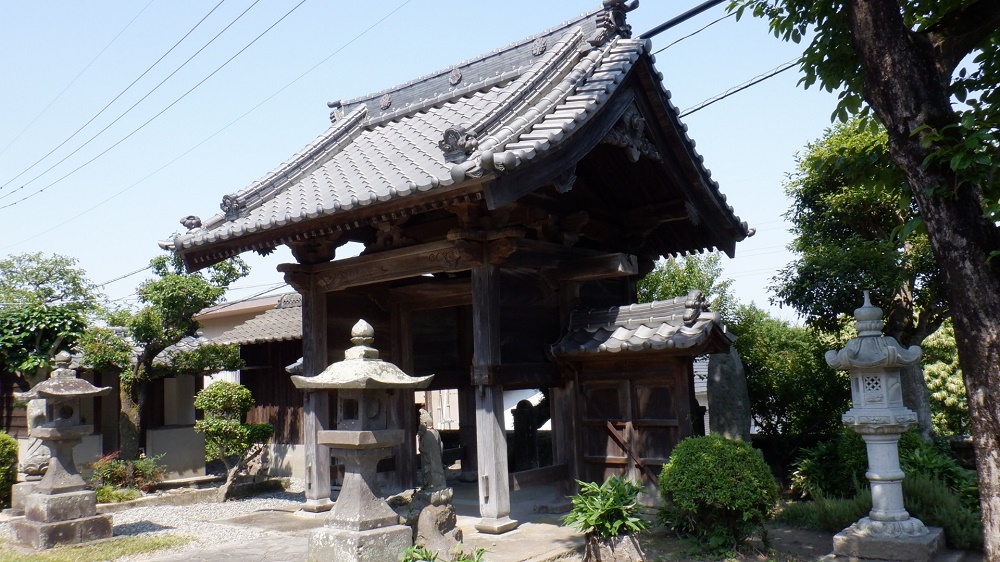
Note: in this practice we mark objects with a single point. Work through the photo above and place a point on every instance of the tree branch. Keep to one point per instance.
(961, 30)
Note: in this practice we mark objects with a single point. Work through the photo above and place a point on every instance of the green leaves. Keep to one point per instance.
(225, 405)
(606, 510)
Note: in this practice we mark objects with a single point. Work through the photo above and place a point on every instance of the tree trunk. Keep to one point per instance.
(133, 398)
(906, 90)
(917, 398)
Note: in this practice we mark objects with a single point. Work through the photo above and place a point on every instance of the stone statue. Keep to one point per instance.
(432, 469)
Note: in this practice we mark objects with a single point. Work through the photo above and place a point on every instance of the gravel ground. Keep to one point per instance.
(200, 521)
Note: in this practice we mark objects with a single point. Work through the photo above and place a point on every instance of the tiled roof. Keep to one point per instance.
(467, 122)
(679, 323)
(187, 343)
(281, 323)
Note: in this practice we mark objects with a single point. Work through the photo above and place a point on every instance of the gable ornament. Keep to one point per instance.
(611, 21)
(628, 133)
(231, 206)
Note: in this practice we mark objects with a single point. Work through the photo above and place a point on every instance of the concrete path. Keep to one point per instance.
(539, 536)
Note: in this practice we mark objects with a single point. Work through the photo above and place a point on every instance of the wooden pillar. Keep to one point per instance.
(316, 406)
(467, 434)
(494, 485)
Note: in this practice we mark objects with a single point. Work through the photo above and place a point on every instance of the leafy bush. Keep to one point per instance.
(827, 514)
(8, 467)
(608, 510)
(933, 502)
(110, 494)
(419, 553)
(142, 473)
(832, 469)
(717, 490)
(227, 438)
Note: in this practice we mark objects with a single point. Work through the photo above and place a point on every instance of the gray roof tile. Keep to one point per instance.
(659, 325)
(518, 105)
(281, 323)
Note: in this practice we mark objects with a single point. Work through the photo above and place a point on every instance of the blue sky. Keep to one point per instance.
(229, 131)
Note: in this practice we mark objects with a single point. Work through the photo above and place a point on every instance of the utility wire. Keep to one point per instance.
(690, 35)
(151, 119)
(120, 94)
(161, 112)
(736, 89)
(216, 133)
(119, 278)
(73, 81)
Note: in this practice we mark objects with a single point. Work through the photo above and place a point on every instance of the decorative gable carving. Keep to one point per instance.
(628, 133)
(457, 144)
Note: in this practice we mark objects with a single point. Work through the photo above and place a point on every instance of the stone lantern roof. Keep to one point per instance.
(62, 384)
(361, 368)
(871, 349)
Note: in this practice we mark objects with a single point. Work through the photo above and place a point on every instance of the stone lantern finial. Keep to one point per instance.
(362, 333)
(868, 319)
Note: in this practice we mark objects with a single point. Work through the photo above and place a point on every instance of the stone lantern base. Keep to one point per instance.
(859, 543)
(59, 519)
(376, 545)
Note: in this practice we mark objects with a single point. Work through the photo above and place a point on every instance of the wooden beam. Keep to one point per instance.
(522, 375)
(599, 267)
(433, 257)
(535, 476)
(491, 439)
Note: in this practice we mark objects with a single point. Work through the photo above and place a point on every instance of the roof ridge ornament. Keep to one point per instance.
(611, 21)
(458, 143)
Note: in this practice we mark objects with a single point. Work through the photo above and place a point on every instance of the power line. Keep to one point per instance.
(690, 35)
(119, 278)
(736, 89)
(161, 112)
(103, 109)
(73, 81)
(216, 133)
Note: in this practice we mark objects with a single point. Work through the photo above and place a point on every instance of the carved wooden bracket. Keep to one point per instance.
(628, 133)
(317, 250)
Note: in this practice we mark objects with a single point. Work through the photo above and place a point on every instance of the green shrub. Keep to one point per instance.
(110, 494)
(832, 469)
(929, 461)
(830, 515)
(717, 490)
(933, 502)
(419, 553)
(142, 473)
(608, 510)
(8, 467)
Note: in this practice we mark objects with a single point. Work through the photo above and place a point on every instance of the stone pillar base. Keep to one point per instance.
(376, 545)
(492, 526)
(40, 535)
(856, 545)
(18, 493)
(317, 506)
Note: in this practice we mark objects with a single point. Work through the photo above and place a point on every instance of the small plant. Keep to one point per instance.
(227, 438)
(110, 494)
(417, 553)
(826, 514)
(8, 467)
(420, 553)
(718, 491)
(142, 473)
(607, 510)
(934, 503)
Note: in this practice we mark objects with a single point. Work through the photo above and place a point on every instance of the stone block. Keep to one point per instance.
(38, 535)
(853, 545)
(495, 526)
(18, 493)
(376, 545)
(60, 507)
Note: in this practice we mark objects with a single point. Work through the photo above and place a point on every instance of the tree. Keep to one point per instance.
(44, 305)
(674, 277)
(905, 61)
(138, 344)
(849, 205)
(227, 438)
(793, 393)
(949, 405)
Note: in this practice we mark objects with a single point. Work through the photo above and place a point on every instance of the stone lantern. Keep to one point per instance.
(878, 414)
(361, 526)
(60, 510)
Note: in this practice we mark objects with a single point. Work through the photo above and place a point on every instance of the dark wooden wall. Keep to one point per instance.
(14, 421)
(278, 401)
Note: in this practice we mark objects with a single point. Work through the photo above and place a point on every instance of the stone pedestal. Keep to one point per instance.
(18, 493)
(857, 543)
(57, 519)
(376, 545)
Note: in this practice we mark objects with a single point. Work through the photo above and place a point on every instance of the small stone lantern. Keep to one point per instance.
(361, 526)
(60, 510)
(878, 414)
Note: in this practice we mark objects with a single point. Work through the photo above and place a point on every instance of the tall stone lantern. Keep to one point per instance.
(878, 414)
(60, 510)
(361, 526)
